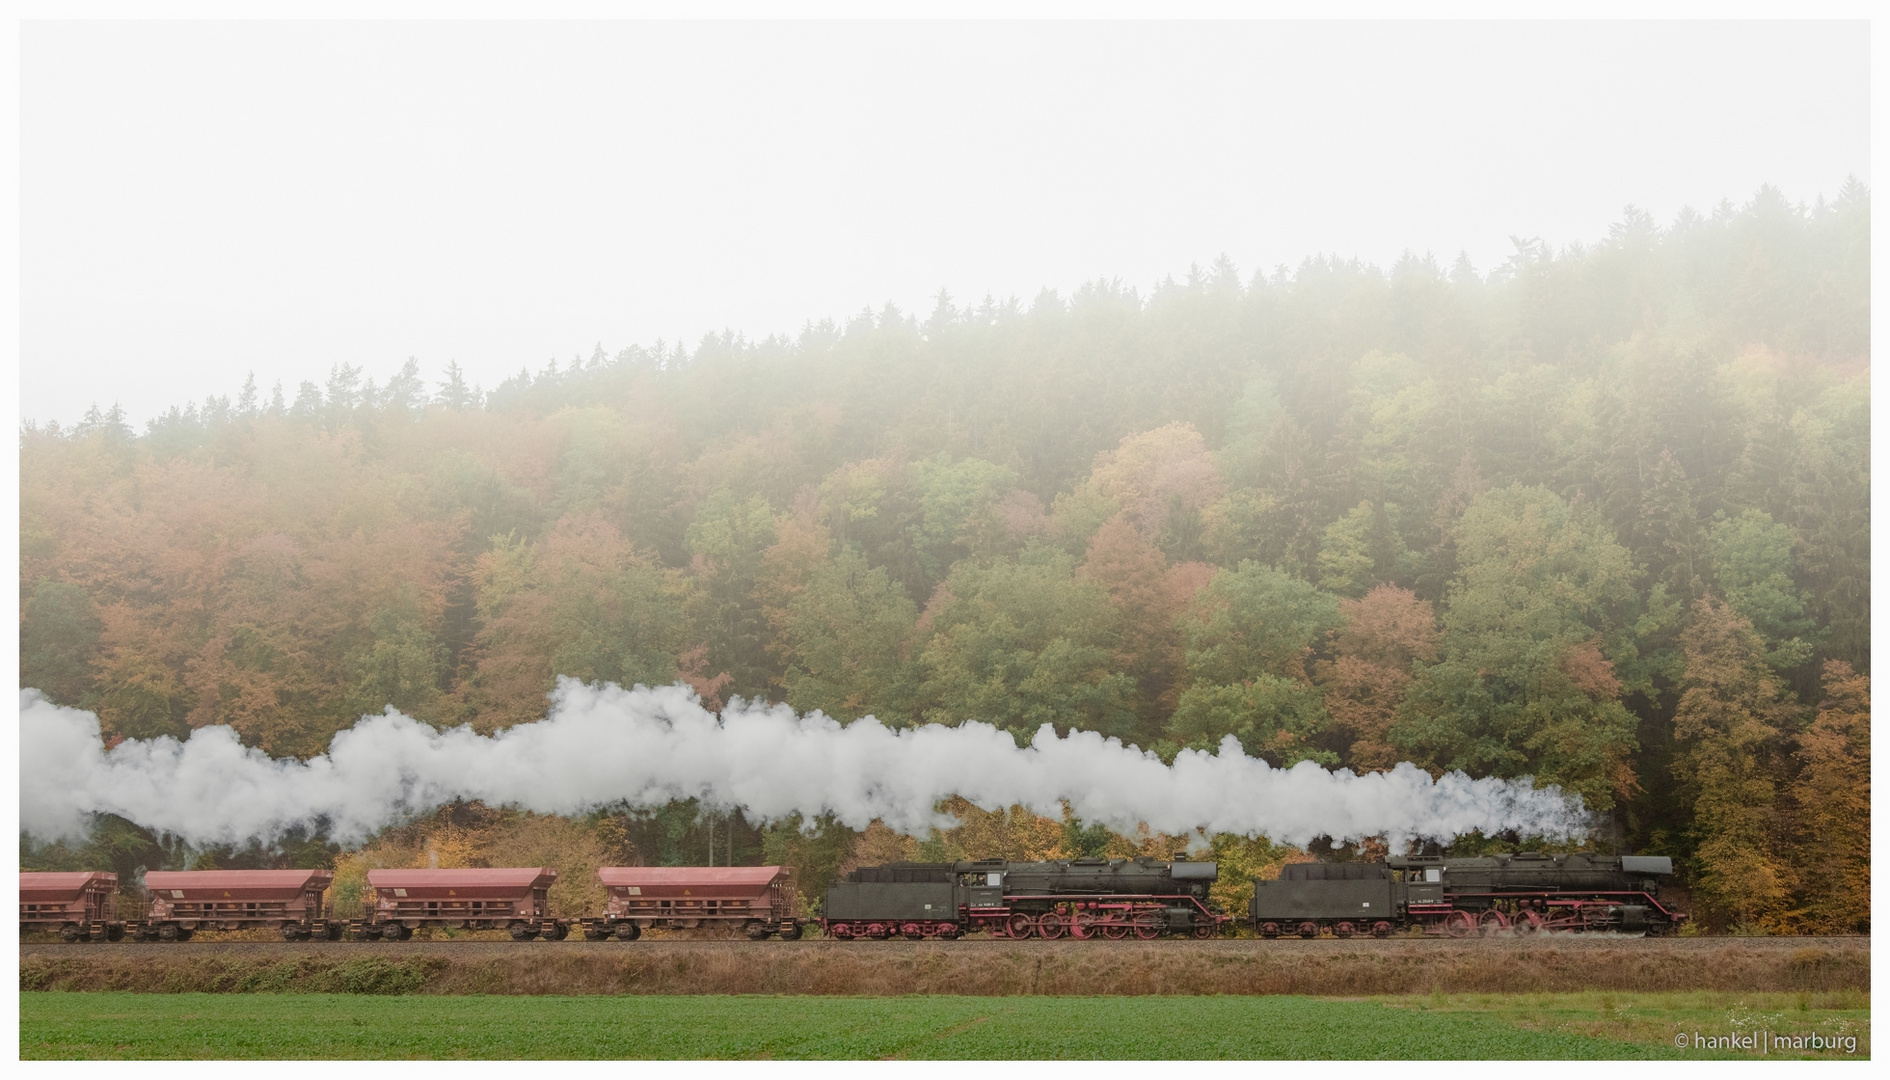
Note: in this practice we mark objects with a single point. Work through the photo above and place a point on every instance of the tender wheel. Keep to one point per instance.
(1381, 929)
(912, 932)
(628, 931)
(1344, 930)
(791, 932)
(1309, 930)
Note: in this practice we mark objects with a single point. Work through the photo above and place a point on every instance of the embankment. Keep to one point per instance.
(997, 968)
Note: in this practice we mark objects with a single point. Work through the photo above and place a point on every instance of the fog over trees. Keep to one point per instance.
(1599, 515)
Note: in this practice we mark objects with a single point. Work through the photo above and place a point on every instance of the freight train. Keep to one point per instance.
(1496, 894)
(1107, 899)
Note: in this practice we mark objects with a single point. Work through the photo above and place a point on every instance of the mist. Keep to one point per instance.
(602, 745)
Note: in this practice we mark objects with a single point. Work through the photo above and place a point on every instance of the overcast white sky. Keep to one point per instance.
(199, 200)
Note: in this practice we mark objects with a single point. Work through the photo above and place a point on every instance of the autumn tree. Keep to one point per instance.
(1832, 793)
(1384, 636)
(1733, 718)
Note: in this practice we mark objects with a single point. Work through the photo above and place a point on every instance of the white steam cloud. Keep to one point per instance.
(603, 745)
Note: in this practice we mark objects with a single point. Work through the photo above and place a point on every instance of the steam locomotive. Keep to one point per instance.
(1112, 899)
(1523, 893)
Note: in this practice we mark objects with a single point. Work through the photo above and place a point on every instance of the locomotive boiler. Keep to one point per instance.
(1459, 897)
(1110, 899)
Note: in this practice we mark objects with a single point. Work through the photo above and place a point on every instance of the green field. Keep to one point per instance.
(117, 1025)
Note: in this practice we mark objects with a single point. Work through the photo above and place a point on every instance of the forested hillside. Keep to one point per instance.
(1599, 516)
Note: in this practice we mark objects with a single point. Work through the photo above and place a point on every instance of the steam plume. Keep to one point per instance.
(602, 745)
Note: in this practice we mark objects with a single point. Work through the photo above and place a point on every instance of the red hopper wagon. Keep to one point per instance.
(185, 901)
(761, 900)
(81, 906)
(487, 898)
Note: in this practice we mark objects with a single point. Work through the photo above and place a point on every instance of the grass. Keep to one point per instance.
(124, 1025)
(1655, 1019)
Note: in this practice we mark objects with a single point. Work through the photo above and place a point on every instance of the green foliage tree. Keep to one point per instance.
(847, 634)
(59, 637)
(1752, 561)
(1024, 644)
(1542, 610)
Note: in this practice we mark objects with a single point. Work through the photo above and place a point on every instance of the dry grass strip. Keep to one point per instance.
(1165, 968)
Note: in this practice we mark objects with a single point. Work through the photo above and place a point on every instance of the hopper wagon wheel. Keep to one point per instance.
(1022, 926)
(1206, 930)
(1050, 926)
(169, 932)
(290, 932)
(1148, 925)
(1459, 924)
(592, 933)
(184, 932)
(522, 931)
(756, 930)
(69, 933)
(557, 931)
(791, 932)
(114, 933)
(332, 931)
(629, 930)
(396, 932)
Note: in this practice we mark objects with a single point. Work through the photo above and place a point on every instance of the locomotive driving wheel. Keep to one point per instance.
(1459, 924)
(1116, 931)
(1527, 922)
(1148, 925)
(1050, 926)
(1022, 926)
(1493, 924)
